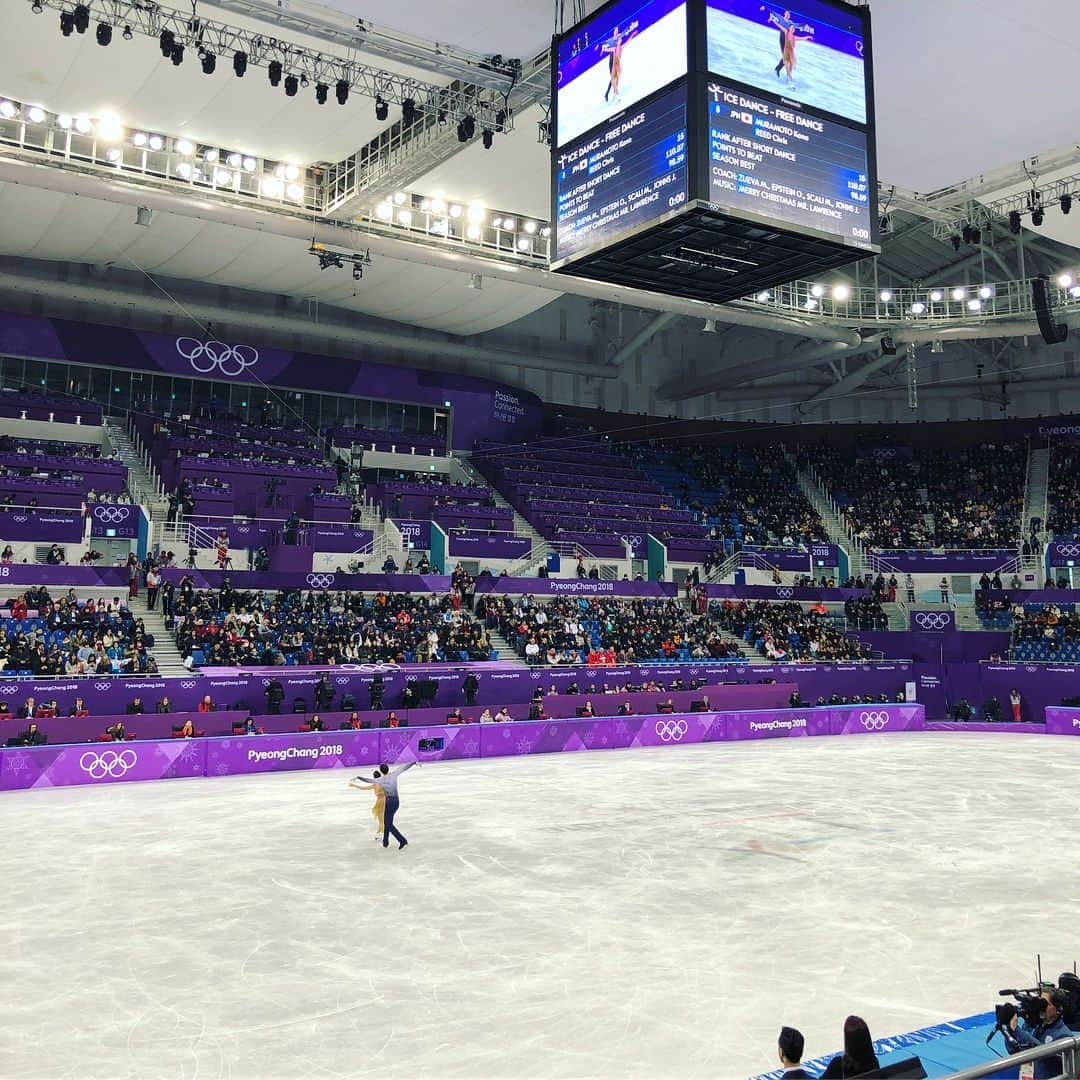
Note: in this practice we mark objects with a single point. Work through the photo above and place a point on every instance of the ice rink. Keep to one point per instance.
(749, 52)
(650, 914)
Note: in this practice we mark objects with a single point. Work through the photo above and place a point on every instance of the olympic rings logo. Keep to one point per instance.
(671, 730)
(633, 541)
(932, 620)
(208, 356)
(9, 689)
(1031, 668)
(535, 673)
(102, 685)
(1070, 551)
(320, 581)
(19, 518)
(884, 452)
(111, 515)
(187, 685)
(343, 680)
(874, 721)
(107, 763)
(785, 594)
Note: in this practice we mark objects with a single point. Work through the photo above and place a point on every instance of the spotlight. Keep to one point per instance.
(303, 80)
(67, 23)
(292, 85)
(974, 304)
(209, 63)
(500, 121)
(408, 111)
(322, 91)
(273, 72)
(139, 138)
(128, 33)
(81, 15)
(82, 124)
(156, 142)
(1037, 216)
(249, 164)
(936, 296)
(35, 114)
(271, 187)
(1064, 280)
(477, 213)
(841, 292)
(166, 41)
(382, 110)
(182, 146)
(885, 296)
(1014, 221)
(114, 154)
(955, 241)
(384, 211)
(210, 155)
(762, 297)
(959, 293)
(239, 63)
(1065, 203)
(918, 308)
(968, 232)
(291, 173)
(470, 127)
(63, 121)
(104, 33)
(487, 138)
(109, 129)
(234, 160)
(36, 7)
(461, 136)
(985, 292)
(817, 291)
(341, 91)
(177, 55)
(399, 198)
(442, 118)
(8, 109)
(295, 192)
(473, 232)
(1074, 292)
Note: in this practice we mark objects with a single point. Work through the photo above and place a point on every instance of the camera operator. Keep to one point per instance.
(1048, 1028)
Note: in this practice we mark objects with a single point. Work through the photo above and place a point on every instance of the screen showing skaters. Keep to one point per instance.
(825, 44)
(387, 781)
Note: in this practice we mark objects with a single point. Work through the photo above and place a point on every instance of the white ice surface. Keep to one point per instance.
(653, 914)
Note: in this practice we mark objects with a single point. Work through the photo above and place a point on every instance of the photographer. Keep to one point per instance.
(1044, 1025)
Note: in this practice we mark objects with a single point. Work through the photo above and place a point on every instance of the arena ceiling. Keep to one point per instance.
(958, 95)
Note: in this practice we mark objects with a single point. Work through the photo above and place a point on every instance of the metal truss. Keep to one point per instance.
(1043, 197)
(309, 66)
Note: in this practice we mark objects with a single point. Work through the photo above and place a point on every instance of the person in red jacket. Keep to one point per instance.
(206, 705)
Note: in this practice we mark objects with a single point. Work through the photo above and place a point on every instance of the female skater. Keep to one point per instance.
(378, 811)
(790, 37)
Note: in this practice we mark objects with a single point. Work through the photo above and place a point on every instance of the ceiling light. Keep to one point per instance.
(273, 72)
(140, 138)
(382, 110)
(959, 292)
(477, 214)
(292, 172)
(109, 129)
(239, 63)
(1014, 221)
(529, 227)
(1037, 216)
(156, 142)
(405, 217)
(487, 138)
(104, 33)
(292, 85)
(408, 111)
(271, 187)
(182, 146)
(936, 296)
(1065, 202)
(209, 63)
(8, 109)
(399, 198)
(210, 155)
(473, 232)
(986, 291)
(222, 177)
(295, 192)
(1065, 280)
(81, 15)
(177, 54)
(841, 292)
(114, 154)
(249, 164)
(322, 92)
(183, 170)
(35, 114)
(817, 291)
(763, 297)
(885, 296)
(63, 121)
(918, 308)
(341, 91)
(974, 304)
(385, 211)
(67, 23)
(128, 33)
(524, 243)
(82, 124)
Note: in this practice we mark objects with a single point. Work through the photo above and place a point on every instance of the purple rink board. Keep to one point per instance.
(585, 587)
(964, 725)
(1062, 721)
(59, 766)
(101, 763)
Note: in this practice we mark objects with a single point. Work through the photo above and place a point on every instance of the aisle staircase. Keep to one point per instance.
(1036, 504)
(838, 532)
(461, 468)
(506, 652)
(143, 483)
(167, 655)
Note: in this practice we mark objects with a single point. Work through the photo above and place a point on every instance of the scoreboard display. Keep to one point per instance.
(696, 133)
(783, 165)
(628, 173)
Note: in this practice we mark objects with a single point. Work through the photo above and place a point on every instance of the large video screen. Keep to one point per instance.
(809, 52)
(613, 61)
(797, 169)
(621, 177)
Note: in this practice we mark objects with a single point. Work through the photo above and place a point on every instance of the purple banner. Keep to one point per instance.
(283, 753)
(417, 533)
(342, 538)
(933, 621)
(115, 520)
(52, 526)
(780, 592)
(331, 579)
(480, 546)
(1064, 553)
(1062, 721)
(101, 763)
(927, 562)
(107, 577)
(574, 587)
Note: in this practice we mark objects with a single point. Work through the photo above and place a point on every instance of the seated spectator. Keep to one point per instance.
(626, 709)
(249, 726)
(665, 706)
(135, 707)
(32, 736)
(858, 1056)
(790, 1050)
(392, 720)
(355, 723)
(486, 717)
(587, 710)
(117, 731)
(27, 710)
(315, 723)
(503, 716)
(164, 705)
(187, 728)
(206, 705)
(455, 717)
(79, 708)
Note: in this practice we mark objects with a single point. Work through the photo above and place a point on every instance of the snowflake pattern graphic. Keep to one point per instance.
(524, 746)
(472, 746)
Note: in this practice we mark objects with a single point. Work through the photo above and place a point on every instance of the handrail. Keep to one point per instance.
(1067, 1049)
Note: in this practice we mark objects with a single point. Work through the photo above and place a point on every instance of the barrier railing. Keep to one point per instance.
(1067, 1049)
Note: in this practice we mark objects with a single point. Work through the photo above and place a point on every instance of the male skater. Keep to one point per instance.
(388, 781)
(784, 23)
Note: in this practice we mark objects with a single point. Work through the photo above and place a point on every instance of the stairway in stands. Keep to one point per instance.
(507, 653)
(167, 655)
(1036, 504)
(463, 469)
(143, 487)
(744, 649)
(837, 531)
